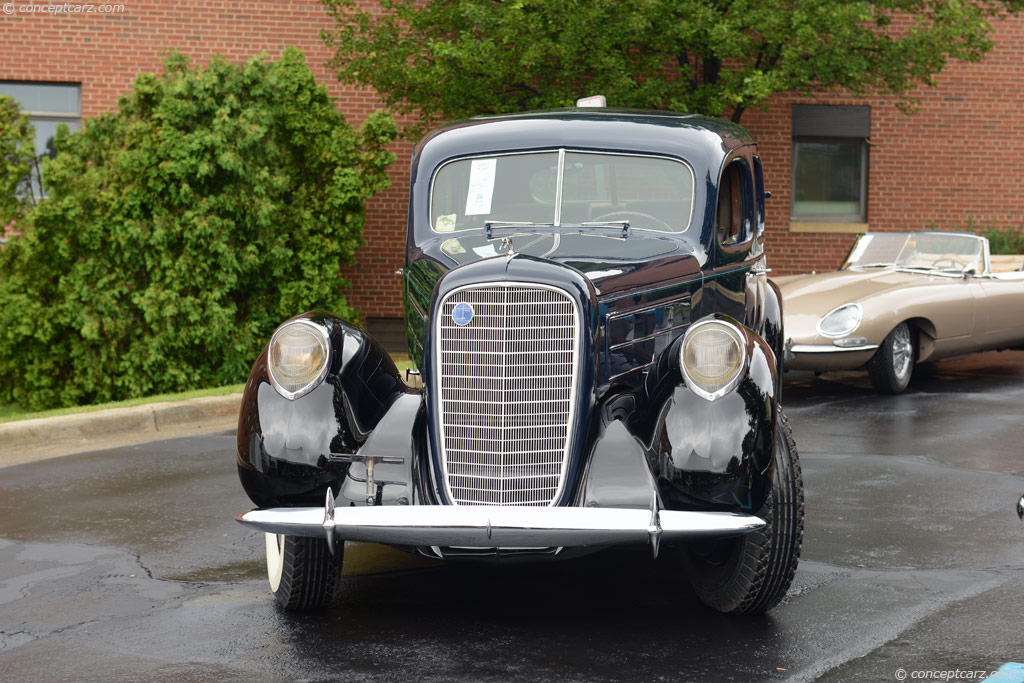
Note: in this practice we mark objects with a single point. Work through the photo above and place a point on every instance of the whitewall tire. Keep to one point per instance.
(303, 573)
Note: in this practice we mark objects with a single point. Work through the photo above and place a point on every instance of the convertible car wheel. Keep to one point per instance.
(303, 573)
(891, 366)
(751, 574)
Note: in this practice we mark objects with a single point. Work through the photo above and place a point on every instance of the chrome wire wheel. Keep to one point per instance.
(893, 363)
(902, 352)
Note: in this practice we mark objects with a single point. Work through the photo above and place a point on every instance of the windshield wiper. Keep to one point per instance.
(624, 224)
(587, 227)
(490, 226)
(873, 265)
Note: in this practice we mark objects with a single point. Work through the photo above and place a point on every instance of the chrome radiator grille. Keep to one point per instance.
(506, 392)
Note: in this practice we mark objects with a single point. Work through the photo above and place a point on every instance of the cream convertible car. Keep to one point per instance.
(899, 299)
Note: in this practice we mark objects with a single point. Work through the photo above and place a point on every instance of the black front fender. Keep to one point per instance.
(287, 449)
(711, 454)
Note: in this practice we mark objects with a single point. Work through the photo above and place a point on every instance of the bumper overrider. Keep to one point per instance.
(487, 526)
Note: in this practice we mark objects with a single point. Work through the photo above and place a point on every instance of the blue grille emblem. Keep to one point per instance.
(462, 314)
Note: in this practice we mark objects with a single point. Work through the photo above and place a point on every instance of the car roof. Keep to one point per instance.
(702, 141)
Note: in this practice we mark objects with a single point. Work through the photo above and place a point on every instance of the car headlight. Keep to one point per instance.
(712, 357)
(840, 321)
(298, 358)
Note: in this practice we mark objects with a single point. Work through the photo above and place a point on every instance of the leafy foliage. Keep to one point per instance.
(449, 59)
(17, 159)
(179, 231)
(1003, 241)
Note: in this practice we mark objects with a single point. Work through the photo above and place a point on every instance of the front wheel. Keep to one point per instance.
(303, 573)
(751, 574)
(893, 363)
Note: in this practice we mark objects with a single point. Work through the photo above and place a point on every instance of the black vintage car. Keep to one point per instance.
(586, 296)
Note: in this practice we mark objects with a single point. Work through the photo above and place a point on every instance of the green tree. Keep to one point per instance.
(180, 230)
(448, 59)
(17, 160)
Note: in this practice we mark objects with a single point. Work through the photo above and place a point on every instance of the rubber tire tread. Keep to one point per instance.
(311, 575)
(880, 369)
(769, 556)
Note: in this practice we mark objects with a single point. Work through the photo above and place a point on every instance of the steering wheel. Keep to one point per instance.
(952, 259)
(625, 215)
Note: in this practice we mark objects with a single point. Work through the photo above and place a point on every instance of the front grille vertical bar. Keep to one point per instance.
(502, 497)
(507, 392)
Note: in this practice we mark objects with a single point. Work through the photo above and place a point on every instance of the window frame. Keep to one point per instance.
(831, 123)
(34, 115)
(562, 152)
(72, 118)
(862, 215)
(749, 222)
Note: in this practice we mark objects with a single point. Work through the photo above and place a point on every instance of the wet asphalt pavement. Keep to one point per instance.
(127, 565)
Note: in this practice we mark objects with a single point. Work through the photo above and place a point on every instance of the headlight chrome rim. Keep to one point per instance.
(294, 390)
(721, 388)
(846, 331)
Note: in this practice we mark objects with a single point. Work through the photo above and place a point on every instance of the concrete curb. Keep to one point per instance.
(50, 437)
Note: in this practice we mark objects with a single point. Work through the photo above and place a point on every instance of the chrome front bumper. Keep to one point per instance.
(486, 526)
(826, 357)
(827, 348)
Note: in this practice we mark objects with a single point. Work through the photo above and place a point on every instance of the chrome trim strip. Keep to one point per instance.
(638, 368)
(828, 348)
(559, 177)
(684, 300)
(466, 409)
(487, 526)
(667, 330)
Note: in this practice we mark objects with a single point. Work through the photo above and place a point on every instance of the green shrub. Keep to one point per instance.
(1005, 240)
(17, 159)
(181, 230)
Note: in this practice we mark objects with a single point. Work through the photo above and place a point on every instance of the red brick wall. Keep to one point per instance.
(957, 158)
(105, 53)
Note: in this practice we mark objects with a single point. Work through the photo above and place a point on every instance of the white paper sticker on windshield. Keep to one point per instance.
(486, 251)
(453, 247)
(445, 223)
(481, 186)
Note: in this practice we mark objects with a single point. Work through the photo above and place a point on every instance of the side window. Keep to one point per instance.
(734, 219)
(830, 163)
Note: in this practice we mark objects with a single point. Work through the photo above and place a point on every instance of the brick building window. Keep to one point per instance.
(830, 163)
(47, 105)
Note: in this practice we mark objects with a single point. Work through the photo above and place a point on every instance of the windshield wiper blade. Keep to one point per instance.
(593, 226)
(874, 265)
(489, 226)
(624, 224)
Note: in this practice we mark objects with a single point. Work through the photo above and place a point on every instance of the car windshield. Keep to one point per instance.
(916, 251)
(562, 188)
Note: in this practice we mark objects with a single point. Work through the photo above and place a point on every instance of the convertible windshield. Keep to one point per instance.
(561, 188)
(916, 250)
